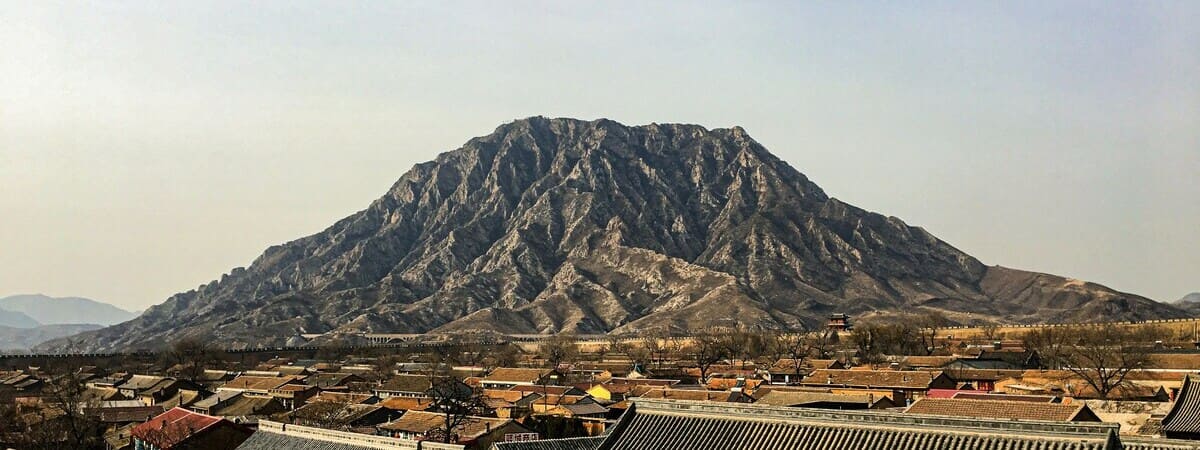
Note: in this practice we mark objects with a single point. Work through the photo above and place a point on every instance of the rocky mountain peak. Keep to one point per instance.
(549, 225)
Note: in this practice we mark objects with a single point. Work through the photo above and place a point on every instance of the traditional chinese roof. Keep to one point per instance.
(547, 390)
(1000, 409)
(405, 403)
(174, 426)
(276, 436)
(725, 384)
(346, 397)
(924, 361)
(256, 383)
(245, 406)
(695, 395)
(904, 379)
(406, 383)
(292, 370)
(216, 399)
(671, 425)
(215, 375)
(421, 422)
(1184, 418)
(788, 365)
(515, 375)
(504, 394)
(584, 409)
(330, 379)
(976, 395)
(581, 443)
(343, 412)
(801, 398)
(128, 414)
(140, 382)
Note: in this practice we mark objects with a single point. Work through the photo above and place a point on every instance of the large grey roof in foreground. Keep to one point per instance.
(685, 425)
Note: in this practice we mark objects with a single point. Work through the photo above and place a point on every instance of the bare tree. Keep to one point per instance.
(1104, 355)
(747, 345)
(558, 349)
(705, 349)
(454, 400)
(990, 331)
(191, 356)
(638, 355)
(655, 342)
(900, 337)
(385, 366)
(1052, 344)
(799, 347)
(616, 344)
(503, 355)
(928, 326)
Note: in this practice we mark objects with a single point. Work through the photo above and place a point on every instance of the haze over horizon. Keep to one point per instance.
(149, 148)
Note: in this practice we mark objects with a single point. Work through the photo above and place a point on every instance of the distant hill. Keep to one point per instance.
(64, 310)
(551, 225)
(22, 339)
(1190, 303)
(16, 319)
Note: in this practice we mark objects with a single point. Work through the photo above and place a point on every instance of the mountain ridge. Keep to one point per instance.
(549, 225)
(1189, 303)
(47, 310)
(22, 339)
(17, 319)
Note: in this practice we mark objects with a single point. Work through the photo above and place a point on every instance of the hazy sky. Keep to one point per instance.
(147, 148)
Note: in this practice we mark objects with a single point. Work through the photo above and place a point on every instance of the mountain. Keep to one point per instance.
(548, 225)
(1190, 303)
(16, 319)
(65, 310)
(22, 339)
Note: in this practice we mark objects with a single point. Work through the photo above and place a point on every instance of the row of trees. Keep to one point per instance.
(704, 349)
(1103, 356)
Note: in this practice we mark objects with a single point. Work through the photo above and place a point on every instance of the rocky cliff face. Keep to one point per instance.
(551, 225)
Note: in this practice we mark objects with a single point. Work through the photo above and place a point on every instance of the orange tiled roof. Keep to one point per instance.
(406, 403)
(1000, 409)
(687, 394)
(725, 384)
(506, 395)
(247, 382)
(421, 422)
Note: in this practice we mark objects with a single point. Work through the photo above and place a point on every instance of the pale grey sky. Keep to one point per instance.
(149, 147)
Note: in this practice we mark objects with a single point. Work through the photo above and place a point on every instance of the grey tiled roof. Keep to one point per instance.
(668, 425)
(277, 436)
(1142, 443)
(273, 441)
(585, 443)
(686, 425)
(1185, 415)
